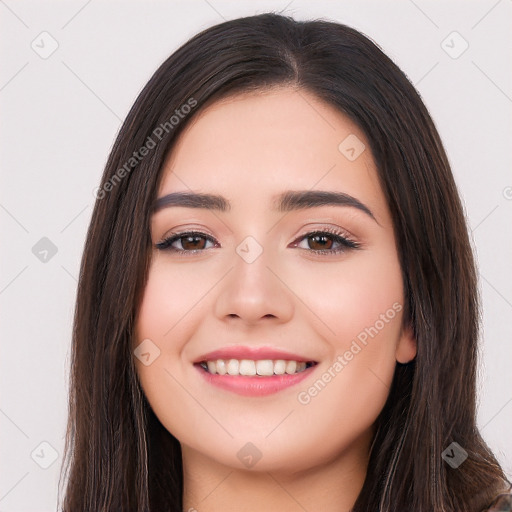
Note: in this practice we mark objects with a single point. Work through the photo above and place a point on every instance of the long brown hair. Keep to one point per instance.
(118, 455)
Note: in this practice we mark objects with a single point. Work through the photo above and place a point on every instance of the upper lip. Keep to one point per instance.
(254, 353)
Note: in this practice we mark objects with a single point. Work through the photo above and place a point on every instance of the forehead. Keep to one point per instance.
(254, 145)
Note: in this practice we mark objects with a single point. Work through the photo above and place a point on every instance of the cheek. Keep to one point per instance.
(166, 319)
(361, 316)
(171, 304)
(352, 296)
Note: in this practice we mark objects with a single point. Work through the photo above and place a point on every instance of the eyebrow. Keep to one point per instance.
(285, 202)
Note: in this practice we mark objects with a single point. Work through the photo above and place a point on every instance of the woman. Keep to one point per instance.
(211, 369)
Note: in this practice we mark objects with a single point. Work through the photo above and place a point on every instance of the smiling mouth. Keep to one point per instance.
(255, 368)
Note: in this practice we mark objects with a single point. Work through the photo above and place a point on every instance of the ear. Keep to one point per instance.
(406, 347)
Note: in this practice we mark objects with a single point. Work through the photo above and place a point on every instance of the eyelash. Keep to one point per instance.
(339, 237)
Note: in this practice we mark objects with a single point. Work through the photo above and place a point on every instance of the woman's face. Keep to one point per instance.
(265, 279)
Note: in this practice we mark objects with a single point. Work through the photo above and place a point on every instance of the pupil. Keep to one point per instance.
(320, 237)
(192, 240)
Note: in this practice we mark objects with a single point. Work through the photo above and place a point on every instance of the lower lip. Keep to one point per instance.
(254, 385)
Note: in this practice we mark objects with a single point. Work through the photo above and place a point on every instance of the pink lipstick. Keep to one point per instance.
(253, 371)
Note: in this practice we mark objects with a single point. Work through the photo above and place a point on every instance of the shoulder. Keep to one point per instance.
(501, 503)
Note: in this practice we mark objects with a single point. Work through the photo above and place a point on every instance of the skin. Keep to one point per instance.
(314, 455)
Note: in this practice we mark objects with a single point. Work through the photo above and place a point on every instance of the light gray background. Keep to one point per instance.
(61, 114)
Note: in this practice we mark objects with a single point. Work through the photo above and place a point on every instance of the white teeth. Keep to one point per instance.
(221, 367)
(232, 367)
(247, 367)
(264, 367)
(280, 367)
(291, 366)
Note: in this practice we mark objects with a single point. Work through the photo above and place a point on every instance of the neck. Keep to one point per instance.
(332, 486)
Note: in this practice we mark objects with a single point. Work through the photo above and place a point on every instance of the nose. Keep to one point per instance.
(253, 291)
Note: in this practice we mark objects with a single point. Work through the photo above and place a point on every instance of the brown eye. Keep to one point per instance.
(320, 242)
(325, 242)
(189, 242)
(192, 243)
